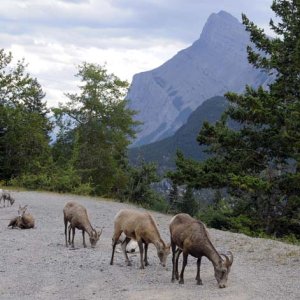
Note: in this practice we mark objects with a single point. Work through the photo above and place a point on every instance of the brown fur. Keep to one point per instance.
(76, 215)
(191, 237)
(139, 226)
(6, 196)
(23, 220)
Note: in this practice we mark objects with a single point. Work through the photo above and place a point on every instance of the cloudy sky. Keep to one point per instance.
(130, 36)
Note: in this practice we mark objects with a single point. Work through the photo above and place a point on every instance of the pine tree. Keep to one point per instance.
(24, 126)
(260, 163)
(188, 204)
(101, 126)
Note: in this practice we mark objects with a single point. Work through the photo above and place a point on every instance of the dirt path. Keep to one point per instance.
(35, 264)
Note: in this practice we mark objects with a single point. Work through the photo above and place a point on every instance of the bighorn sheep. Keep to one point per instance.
(141, 227)
(23, 220)
(5, 196)
(191, 237)
(76, 215)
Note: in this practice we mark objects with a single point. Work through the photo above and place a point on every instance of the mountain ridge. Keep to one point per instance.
(212, 65)
(163, 152)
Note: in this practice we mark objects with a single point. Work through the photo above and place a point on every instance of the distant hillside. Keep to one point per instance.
(163, 152)
(214, 64)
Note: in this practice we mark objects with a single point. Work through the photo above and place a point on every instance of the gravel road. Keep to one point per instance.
(35, 264)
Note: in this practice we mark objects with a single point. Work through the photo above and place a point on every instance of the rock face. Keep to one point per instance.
(163, 152)
(214, 64)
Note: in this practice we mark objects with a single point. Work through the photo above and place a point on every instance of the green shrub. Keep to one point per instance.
(84, 189)
(31, 181)
(159, 204)
(214, 218)
(242, 224)
(60, 180)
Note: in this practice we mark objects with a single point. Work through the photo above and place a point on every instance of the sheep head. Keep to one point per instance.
(94, 237)
(22, 210)
(163, 253)
(223, 268)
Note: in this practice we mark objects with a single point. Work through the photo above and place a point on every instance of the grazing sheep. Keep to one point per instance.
(5, 196)
(191, 237)
(76, 215)
(141, 227)
(23, 220)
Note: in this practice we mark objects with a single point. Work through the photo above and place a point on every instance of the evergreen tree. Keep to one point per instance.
(260, 163)
(188, 204)
(139, 183)
(18, 88)
(99, 128)
(24, 126)
(173, 196)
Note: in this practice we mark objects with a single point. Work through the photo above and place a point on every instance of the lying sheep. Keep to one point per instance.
(76, 215)
(5, 196)
(139, 226)
(23, 220)
(132, 246)
(191, 237)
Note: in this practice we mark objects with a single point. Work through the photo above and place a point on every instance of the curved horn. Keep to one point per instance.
(230, 257)
(101, 231)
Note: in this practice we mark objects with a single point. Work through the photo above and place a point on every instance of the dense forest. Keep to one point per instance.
(254, 169)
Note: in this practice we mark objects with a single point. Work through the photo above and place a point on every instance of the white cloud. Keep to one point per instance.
(55, 36)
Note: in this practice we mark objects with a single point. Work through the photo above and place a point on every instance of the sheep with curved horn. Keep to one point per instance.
(190, 236)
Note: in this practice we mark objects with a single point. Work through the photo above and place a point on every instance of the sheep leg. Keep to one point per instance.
(173, 245)
(73, 235)
(70, 227)
(178, 252)
(66, 225)
(140, 243)
(83, 237)
(199, 281)
(124, 245)
(184, 263)
(146, 256)
(115, 240)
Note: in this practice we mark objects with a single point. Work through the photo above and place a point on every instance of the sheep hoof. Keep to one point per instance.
(181, 281)
(199, 282)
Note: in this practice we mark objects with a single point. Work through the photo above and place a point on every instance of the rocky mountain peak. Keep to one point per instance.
(220, 28)
(211, 66)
